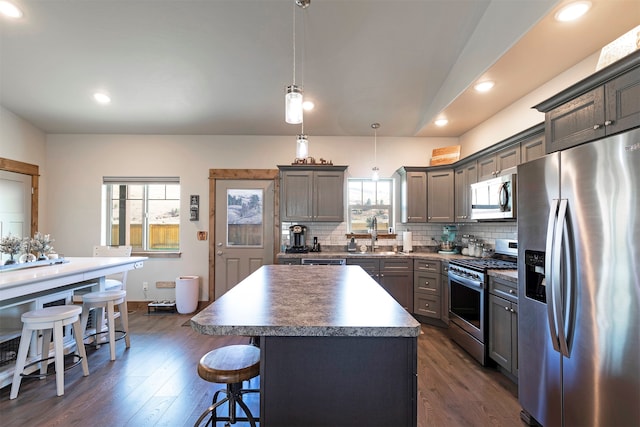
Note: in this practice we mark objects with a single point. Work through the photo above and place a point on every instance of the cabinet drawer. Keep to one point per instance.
(427, 305)
(387, 264)
(426, 265)
(427, 283)
(503, 288)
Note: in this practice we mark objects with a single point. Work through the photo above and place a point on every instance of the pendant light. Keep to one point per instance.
(293, 96)
(375, 175)
(302, 144)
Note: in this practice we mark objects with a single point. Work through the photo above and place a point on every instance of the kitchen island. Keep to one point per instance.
(336, 348)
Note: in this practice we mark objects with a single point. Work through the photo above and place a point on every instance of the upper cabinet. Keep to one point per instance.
(532, 148)
(465, 175)
(498, 163)
(413, 194)
(440, 196)
(313, 193)
(605, 103)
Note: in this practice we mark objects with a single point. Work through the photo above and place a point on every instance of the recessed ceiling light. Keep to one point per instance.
(441, 122)
(484, 86)
(308, 105)
(573, 11)
(10, 10)
(102, 98)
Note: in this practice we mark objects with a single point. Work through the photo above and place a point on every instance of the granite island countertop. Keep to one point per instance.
(285, 300)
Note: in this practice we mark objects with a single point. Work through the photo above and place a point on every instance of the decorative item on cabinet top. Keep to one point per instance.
(445, 155)
(310, 161)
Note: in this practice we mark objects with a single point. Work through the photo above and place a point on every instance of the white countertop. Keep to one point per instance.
(15, 283)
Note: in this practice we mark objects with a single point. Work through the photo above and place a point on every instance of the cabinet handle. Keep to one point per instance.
(426, 283)
(506, 308)
(608, 123)
(426, 305)
(596, 127)
(382, 275)
(512, 310)
(511, 291)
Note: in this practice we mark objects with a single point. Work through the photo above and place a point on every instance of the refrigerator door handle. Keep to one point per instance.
(549, 274)
(558, 275)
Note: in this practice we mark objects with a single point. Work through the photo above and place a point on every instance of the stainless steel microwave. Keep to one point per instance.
(494, 199)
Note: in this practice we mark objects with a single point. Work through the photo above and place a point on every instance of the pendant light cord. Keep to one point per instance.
(294, 43)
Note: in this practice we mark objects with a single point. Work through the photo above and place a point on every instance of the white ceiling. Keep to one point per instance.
(220, 66)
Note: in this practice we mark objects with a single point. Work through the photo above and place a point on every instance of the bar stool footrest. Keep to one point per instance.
(97, 343)
(76, 362)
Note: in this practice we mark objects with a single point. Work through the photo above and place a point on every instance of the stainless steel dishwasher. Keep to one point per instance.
(323, 261)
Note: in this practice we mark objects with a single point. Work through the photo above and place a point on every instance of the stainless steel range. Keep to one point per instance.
(468, 299)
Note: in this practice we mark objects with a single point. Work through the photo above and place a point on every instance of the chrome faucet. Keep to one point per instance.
(374, 233)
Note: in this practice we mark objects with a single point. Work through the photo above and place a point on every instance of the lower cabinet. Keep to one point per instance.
(503, 324)
(394, 275)
(427, 288)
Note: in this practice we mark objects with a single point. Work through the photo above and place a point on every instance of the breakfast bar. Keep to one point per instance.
(32, 286)
(336, 348)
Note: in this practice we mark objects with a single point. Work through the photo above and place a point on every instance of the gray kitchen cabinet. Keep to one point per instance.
(445, 292)
(440, 196)
(532, 148)
(427, 288)
(503, 324)
(395, 275)
(605, 103)
(499, 162)
(312, 194)
(465, 175)
(413, 194)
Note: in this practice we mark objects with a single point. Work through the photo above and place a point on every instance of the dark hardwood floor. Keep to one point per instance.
(155, 383)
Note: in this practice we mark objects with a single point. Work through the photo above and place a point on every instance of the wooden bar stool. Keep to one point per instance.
(49, 319)
(100, 301)
(230, 365)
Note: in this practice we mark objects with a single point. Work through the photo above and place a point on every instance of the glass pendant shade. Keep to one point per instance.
(302, 147)
(293, 105)
(375, 176)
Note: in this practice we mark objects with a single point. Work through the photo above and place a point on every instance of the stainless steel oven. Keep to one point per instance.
(468, 282)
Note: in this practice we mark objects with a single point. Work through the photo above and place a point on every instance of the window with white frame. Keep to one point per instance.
(143, 212)
(369, 198)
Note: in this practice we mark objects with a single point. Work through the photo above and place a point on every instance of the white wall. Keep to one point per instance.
(21, 141)
(78, 163)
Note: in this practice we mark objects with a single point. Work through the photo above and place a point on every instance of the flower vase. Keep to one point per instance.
(10, 261)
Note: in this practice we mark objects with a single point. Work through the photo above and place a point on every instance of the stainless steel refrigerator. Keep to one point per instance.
(579, 285)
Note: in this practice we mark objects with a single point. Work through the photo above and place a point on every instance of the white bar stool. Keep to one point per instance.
(107, 299)
(49, 319)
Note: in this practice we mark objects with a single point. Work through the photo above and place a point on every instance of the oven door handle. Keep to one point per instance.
(469, 283)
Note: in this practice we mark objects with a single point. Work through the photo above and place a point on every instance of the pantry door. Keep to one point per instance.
(243, 237)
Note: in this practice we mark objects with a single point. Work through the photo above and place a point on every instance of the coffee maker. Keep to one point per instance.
(297, 239)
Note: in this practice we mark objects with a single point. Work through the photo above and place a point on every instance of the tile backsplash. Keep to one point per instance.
(331, 235)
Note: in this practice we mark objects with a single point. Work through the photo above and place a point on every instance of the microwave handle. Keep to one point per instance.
(503, 196)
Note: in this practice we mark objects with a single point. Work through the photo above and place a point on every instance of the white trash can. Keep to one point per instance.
(187, 288)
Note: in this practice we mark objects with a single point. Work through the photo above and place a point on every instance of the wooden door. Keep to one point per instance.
(244, 232)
